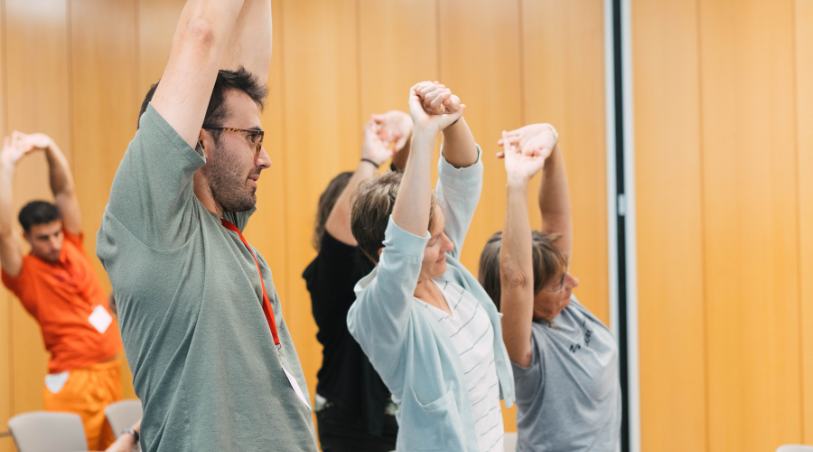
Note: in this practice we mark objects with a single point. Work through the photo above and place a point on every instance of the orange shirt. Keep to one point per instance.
(61, 296)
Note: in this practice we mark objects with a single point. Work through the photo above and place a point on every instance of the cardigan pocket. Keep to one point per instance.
(431, 427)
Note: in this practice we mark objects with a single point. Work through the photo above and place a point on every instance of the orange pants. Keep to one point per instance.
(87, 392)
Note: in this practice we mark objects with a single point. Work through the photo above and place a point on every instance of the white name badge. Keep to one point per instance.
(55, 382)
(100, 319)
(295, 385)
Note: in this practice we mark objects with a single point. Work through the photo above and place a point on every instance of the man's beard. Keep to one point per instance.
(228, 185)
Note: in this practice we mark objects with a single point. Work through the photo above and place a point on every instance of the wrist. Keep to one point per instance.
(451, 126)
(370, 163)
(423, 136)
(131, 431)
(7, 168)
(517, 183)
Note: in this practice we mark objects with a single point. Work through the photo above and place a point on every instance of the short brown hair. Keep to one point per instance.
(371, 211)
(327, 200)
(548, 261)
(216, 112)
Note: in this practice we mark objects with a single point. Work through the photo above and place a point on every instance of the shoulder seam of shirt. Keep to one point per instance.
(194, 156)
(158, 250)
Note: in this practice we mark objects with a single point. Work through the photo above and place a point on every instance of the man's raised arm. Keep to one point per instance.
(60, 177)
(199, 48)
(11, 255)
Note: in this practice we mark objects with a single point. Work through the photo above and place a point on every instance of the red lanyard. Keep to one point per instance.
(269, 313)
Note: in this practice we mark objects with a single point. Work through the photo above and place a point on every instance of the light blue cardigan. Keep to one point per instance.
(405, 343)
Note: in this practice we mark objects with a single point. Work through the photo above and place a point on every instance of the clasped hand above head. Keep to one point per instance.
(19, 144)
(384, 135)
(526, 149)
(433, 107)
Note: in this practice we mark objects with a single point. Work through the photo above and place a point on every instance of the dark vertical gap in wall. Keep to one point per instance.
(620, 224)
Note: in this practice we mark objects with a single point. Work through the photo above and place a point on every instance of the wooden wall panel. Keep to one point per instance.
(321, 135)
(669, 213)
(563, 83)
(804, 176)
(37, 69)
(398, 48)
(6, 390)
(156, 26)
(104, 76)
(750, 223)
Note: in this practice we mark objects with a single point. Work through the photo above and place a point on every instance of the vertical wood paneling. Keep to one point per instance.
(6, 390)
(563, 82)
(669, 213)
(804, 176)
(37, 72)
(321, 135)
(398, 47)
(750, 223)
(104, 77)
(156, 26)
(480, 61)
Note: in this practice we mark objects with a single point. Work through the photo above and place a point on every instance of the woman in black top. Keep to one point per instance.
(353, 407)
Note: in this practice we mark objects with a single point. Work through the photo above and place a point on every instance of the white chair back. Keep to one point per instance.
(43, 431)
(123, 414)
(794, 448)
(510, 441)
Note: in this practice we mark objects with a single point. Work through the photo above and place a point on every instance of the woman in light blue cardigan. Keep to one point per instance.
(420, 340)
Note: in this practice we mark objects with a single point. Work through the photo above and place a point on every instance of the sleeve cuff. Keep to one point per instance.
(76, 239)
(408, 245)
(473, 171)
(11, 282)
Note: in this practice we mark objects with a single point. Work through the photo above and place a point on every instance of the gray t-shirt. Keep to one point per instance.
(569, 398)
(190, 310)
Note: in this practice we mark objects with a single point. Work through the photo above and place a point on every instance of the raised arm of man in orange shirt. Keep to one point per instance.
(11, 255)
(45, 238)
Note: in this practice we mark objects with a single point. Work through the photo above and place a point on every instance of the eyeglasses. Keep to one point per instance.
(561, 283)
(255, 136)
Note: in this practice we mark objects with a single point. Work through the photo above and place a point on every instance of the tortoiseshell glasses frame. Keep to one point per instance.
(256, 136)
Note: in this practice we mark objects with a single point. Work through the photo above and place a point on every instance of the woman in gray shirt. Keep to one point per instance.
(565, 361)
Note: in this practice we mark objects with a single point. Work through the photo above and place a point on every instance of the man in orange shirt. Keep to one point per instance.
(58, 286)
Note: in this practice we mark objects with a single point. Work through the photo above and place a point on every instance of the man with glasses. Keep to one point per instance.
(212, 359)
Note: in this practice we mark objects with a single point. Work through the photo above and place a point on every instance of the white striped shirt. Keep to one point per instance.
(471, 333)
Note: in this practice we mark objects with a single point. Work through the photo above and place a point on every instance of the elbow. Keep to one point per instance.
(511, 276)
(197, 33)
(6, 233)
